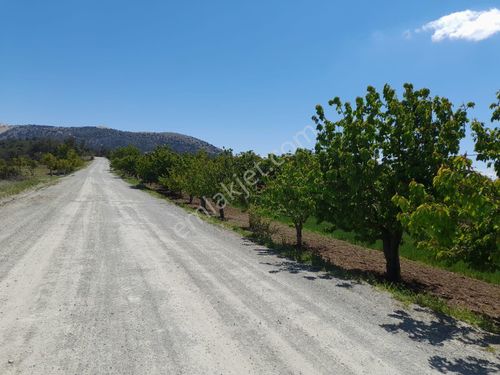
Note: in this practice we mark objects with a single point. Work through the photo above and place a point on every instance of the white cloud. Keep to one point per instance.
(467, 25)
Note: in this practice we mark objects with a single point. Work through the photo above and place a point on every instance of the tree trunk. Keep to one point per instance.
(221, 213)
(391, 242)
(298, 231)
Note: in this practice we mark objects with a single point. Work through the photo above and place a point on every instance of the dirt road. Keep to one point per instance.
(99, 278)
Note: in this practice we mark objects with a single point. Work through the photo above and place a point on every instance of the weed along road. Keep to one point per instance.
(95, 279)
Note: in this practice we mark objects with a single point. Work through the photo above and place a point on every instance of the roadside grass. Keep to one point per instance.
(438, 305)
(314, 262)
(40, 178)
(408, 250)
(12, 187)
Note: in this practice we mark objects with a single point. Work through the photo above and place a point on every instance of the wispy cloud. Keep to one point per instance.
(468, 25)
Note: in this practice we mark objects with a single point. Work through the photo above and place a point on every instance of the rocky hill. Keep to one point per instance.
(101, 138)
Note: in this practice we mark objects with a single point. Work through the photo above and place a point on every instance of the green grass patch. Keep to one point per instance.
(12, 187)
(39, 178)
(438, 305)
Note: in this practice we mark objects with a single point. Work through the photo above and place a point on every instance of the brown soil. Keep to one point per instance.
(458, 290)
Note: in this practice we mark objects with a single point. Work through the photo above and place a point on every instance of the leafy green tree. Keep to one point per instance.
(249, 172)
(23, 155)
(64, 166)
(24, 163)
(488, 139)
(459, 218)
(125, 159)
(192, 174)
(74, 160)
(177, 181)
(374, 150)
(50, 161)
(496, 109)
(150, 167)
(292, 192)
(144, 168)
(221, 170)
(31, 164)
(3, 168)
(201, 177)
(8, 170)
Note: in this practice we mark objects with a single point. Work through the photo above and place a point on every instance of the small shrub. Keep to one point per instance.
(260, 227)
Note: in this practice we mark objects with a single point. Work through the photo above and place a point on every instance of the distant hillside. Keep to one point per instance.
(100, 138)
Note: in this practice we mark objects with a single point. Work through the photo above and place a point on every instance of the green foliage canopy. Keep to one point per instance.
(458, 218)
(292, 192)
(488, 139)
(374, 150)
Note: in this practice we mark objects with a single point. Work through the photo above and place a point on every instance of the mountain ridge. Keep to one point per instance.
(99, 138)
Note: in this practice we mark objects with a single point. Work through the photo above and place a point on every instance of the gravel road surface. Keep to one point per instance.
(97, 277)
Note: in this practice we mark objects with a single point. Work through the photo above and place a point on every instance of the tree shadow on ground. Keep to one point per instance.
(464, 366)
(315, 268)
(292, 262)
(435, 329)
(139, 186)
(438, 330)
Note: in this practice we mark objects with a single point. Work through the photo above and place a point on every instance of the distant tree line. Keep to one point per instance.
(382, 165)
(20, 158)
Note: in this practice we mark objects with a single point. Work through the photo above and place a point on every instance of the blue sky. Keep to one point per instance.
(244, 75)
